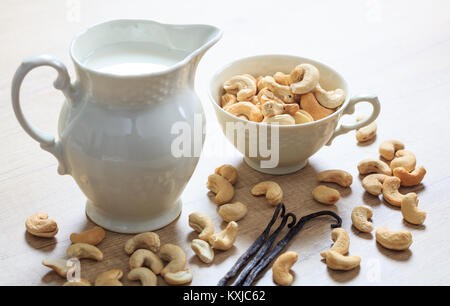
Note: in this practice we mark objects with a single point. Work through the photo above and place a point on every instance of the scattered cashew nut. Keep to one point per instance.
(405, 159)
(109, 278)
(309, 103)
(202, 224)
(304, 78)
(389, 147)
(367, 132)
(329, 99)
(146, 258)
(243, 86)
(203, 250)
(178, 278)
(410, 178)
(228, 172)
(41, 226)
(84, 251)
(339, 262)
(93, 236)
(373, 183)
(144, 275)
(265, 95)
(233, 211)
(360, 218)
(326, 195)
(248, 109)
(60, 266)
(221, 187)
(148, 240)
(341, 242)
(281, 267)
(372, 165)
(410, 211)
(175, 257)
(397, 241)
(390, 191)
(339, 177)
(225, 239)
(272, 191)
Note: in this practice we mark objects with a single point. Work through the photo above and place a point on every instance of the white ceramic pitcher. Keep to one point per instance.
(114, 132)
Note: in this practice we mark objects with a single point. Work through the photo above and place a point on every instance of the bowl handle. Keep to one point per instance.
(350, 109)
(47, 141)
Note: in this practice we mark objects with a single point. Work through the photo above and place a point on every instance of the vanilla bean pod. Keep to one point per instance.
(254, 247)
(264, 248)
(286, 239)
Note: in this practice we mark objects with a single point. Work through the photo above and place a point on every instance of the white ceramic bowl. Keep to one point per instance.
(296, 142)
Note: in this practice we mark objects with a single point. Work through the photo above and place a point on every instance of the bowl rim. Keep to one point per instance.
(233, 62)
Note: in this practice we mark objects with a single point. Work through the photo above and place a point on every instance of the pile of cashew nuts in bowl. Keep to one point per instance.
(284, 99)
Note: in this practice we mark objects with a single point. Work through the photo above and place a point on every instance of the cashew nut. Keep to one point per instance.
(329, 99)
(272, 191)
(60, 266)
(325, 195)
(226, 238)
(372, 165)
(373, 183)
(80, 283)
(248, 109)
(281, 267)
(339, 177)
(360, 218)
(410, 211)
(284, 119)
(243, 86)
(179, 278)
(228, 172)
(148, 240)
(339, 262)
(109, 278)
(93, 236)
(389, 147)
(265, 95)
(202, 224)
(41, 226)
(367, 132)
(233, 211)
(405, 159)
(410, 178)
(309, 103)
(221, 187)
(302, 116)
(341, 242)
(272, 108)
(203, 250)
(397, 241)
(84, 251)
(390, 191)
(282, 78)
(175, 257)
(227, 99)
(304, 78)
(144, 275)
(146, 258)
(281, 91)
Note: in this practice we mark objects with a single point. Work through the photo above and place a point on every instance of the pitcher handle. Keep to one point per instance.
(350, 109)
(62, 82)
